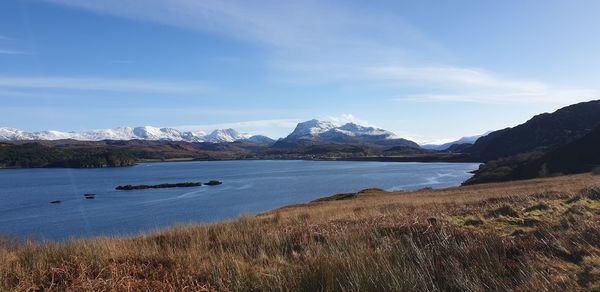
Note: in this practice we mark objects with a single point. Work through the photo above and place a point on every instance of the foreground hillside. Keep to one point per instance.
(531, 235)
(582, 155)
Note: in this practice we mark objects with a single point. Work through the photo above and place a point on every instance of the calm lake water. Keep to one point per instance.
(249, 187)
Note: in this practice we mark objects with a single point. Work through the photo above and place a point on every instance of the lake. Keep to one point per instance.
(249, 187)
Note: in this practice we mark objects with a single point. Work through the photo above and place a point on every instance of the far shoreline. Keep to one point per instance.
(399, 159)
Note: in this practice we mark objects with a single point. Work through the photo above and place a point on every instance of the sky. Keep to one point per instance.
(427, 70)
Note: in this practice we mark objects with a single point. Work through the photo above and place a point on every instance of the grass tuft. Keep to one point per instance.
(537, 207)
(505, 210)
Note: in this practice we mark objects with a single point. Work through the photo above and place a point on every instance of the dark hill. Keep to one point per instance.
(579, 156)
(405, 150)
(541, 133)
(459, 148)
(38, 155)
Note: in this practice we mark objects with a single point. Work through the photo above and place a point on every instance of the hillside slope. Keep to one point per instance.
(541, 133)
(582, 155)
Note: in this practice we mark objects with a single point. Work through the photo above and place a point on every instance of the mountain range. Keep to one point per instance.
(445, 146)
(562, 142)
(305, 134)
(137, 133)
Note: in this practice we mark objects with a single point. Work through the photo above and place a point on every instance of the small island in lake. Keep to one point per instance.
(214, 183)
(164, 186)
(160, 186)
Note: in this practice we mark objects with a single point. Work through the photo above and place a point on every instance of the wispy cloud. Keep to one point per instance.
(20, 93)
(557, 96)
(450, 76)
(292, 32)
(347, 118)
(475, 85)
(101, 84)
(274, 23)
(7, 41)
(329, 42)
(439, 83)
(13, 52)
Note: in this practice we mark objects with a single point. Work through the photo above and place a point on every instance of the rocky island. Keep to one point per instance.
(167, 185)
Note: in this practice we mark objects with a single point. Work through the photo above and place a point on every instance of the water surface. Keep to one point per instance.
(248, 187)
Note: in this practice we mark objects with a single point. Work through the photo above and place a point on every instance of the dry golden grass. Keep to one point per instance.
(530, 235)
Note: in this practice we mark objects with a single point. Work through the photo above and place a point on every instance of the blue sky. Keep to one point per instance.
(427, 70)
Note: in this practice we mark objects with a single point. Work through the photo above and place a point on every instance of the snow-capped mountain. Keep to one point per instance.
(445, 146)
(317, 132)
(260, 139)
(352, 129)
(11, 134)
(225, 135)
(305, 134)
(152, 133)
(129, 133)
(310, 129)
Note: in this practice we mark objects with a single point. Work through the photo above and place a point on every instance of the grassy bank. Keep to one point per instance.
(530, 235)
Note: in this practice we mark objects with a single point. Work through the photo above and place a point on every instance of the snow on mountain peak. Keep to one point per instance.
(12, 134)
(225, 135)
(126, 133)
(445, 146)
(315, 128)
(357, 130)
(153, 133)
(312, 128)
(315, 131)
(309, 130)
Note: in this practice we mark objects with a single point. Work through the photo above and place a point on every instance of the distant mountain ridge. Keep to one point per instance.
(137, 133)
(307, 133)
(446, 146)
(316, 132)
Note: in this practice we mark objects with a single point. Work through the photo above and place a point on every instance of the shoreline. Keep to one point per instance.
(399, 159)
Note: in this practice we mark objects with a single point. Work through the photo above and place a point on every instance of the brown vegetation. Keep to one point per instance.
(531, 235)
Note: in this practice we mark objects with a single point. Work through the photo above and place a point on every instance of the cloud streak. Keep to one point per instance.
(313, 42)
(347, 118)
(297, 32)
(13, 52)
(439, 84)
(101, 84)
(295, 24)
(476, 85)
